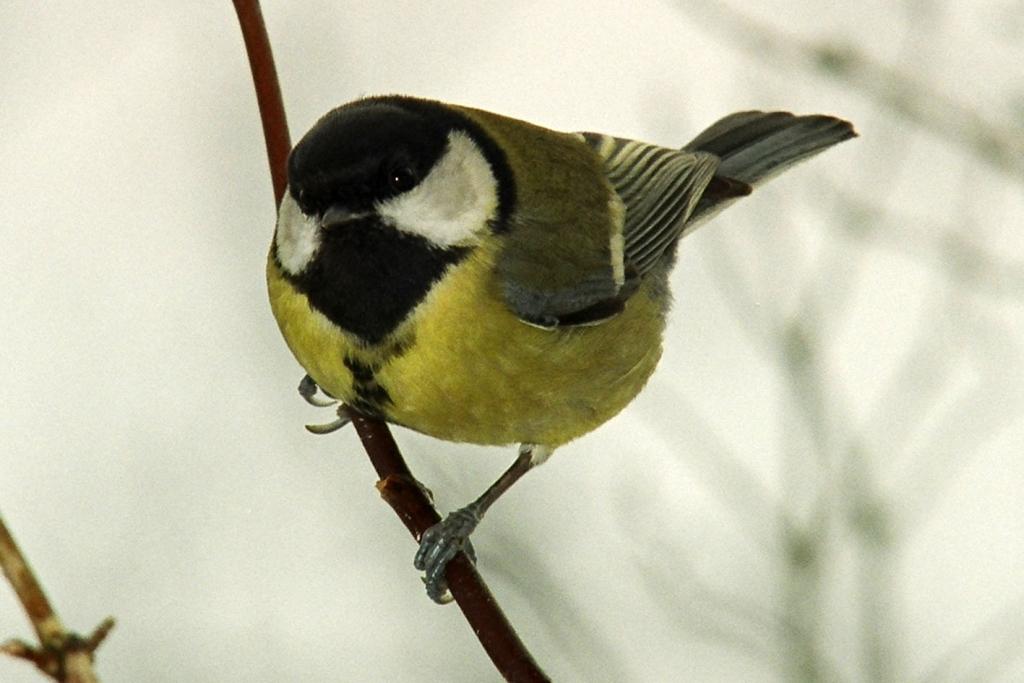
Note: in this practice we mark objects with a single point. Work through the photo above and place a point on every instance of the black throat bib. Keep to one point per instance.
(367, 277)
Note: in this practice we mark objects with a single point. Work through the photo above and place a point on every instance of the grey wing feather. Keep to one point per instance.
(658, 186)
(665, 194)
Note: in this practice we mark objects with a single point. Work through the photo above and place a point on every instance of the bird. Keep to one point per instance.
(481, 279)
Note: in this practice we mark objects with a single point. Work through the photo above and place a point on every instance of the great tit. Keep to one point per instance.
(481, 279)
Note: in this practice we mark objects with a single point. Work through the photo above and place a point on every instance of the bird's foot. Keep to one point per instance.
(442, 542)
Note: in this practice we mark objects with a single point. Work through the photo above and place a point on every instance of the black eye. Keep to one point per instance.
(401, 178)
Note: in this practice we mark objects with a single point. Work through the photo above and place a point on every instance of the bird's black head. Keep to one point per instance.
(384, 195)
(363, 153)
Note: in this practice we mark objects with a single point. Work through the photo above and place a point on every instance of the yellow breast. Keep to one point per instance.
(464, 368)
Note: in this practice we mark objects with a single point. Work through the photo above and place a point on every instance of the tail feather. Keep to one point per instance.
(736, 131)
(755, 146)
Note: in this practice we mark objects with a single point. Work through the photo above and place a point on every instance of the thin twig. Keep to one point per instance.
(396, 483)
(63, 656)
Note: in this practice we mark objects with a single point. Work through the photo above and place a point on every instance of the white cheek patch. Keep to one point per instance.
(297, 237)
(453, 203)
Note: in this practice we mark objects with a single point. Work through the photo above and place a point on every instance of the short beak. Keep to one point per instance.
(338, 215)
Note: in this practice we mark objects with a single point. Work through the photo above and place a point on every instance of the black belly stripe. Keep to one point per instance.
(371, 398)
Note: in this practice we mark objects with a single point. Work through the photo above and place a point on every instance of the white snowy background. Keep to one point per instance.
(822, 481)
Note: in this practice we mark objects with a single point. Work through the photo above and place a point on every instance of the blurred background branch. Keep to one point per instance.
(858, 482)
(896, 89)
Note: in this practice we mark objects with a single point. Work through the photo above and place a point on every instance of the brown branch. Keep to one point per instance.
(268, 92)
(396, 483)
(61, 655)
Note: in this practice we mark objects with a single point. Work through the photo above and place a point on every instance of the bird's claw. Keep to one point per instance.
(334, 425)
(308, 390)
(442, 542)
